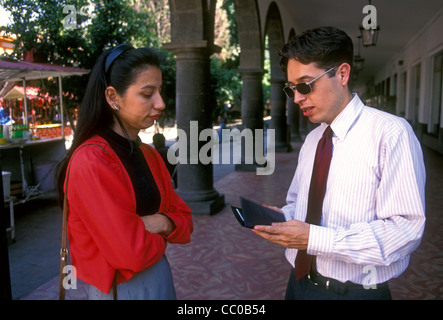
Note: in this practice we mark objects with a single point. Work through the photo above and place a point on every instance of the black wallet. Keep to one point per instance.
(251, 214)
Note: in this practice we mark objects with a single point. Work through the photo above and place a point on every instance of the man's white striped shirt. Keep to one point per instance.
(373, 210)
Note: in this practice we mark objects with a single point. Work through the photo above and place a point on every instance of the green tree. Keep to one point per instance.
(75, 32)
(225, 80)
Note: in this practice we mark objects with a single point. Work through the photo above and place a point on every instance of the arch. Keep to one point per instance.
(250, 69)
(295, 120)
(197, 11)
(248, 23)
(275, 36)
(274, 31)
(292, 34)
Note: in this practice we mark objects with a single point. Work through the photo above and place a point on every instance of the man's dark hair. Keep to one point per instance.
(326, 46)
(159, 141)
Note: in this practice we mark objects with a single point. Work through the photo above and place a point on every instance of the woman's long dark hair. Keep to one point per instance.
(95, 114)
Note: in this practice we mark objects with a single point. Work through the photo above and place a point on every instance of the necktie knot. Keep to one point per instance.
(323, 155)
(328, 132)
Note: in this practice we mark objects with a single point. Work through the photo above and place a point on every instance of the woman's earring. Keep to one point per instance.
(115, 106)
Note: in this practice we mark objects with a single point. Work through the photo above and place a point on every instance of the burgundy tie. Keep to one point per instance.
(317, 190)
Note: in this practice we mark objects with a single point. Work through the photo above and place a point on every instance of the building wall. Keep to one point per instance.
(410, 75)
(6, 45)
(287, 19)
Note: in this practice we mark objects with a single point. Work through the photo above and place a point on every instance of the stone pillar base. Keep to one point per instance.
(204, 207)
(248, 167)
(283, 148)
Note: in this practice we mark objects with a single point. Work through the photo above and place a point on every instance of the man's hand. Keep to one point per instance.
(292, 234)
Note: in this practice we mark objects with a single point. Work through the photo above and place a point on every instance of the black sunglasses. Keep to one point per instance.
(303, 87)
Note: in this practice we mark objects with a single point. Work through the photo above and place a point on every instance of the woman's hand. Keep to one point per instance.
(158, 223)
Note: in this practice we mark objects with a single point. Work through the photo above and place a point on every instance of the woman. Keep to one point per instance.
(122, 206)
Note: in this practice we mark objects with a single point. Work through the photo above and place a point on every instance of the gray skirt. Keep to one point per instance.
(153, 283)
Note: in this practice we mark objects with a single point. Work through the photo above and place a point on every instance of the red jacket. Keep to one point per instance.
(107, 238)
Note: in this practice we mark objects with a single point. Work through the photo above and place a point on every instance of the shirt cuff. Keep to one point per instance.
(321, 240)
(287, 213)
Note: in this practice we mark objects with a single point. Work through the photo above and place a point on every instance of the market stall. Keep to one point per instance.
(43, 118)
(31, 162)
(38, 102)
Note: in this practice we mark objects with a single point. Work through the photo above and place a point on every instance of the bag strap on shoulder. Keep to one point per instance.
(64, 245)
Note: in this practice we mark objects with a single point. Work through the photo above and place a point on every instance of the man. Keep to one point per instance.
(372, 214)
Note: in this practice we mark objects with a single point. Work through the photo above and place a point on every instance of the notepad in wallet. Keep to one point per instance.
(251, 214)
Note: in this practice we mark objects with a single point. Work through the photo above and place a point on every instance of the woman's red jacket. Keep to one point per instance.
(107, 238)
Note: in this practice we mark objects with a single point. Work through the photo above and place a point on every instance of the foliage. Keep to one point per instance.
(76, 37)
(225, 80)
(47, 28)
(168, 90)
(266, 81)
(225, 87)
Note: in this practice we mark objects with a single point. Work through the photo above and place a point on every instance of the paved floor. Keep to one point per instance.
(223, 260)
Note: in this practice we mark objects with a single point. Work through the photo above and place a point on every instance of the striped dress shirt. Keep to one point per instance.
(373, 210)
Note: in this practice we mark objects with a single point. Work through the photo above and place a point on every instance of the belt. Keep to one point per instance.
(335, 285)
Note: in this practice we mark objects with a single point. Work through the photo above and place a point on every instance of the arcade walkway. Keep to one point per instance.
(223, 260)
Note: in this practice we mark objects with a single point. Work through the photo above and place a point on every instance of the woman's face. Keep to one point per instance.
(142, 103)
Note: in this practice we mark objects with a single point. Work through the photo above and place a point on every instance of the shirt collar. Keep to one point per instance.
(346, 119)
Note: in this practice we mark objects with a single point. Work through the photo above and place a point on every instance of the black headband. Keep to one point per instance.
(115, 53)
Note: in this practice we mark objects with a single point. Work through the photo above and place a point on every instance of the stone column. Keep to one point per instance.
(194, 179)
(278, 115)
(293, 120)
(251, 109)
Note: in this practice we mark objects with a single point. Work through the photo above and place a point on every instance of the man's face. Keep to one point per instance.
(329, 95)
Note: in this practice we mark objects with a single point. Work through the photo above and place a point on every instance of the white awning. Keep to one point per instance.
(22, 70)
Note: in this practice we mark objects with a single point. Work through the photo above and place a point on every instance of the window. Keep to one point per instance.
(415, 95)
(437, 92)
